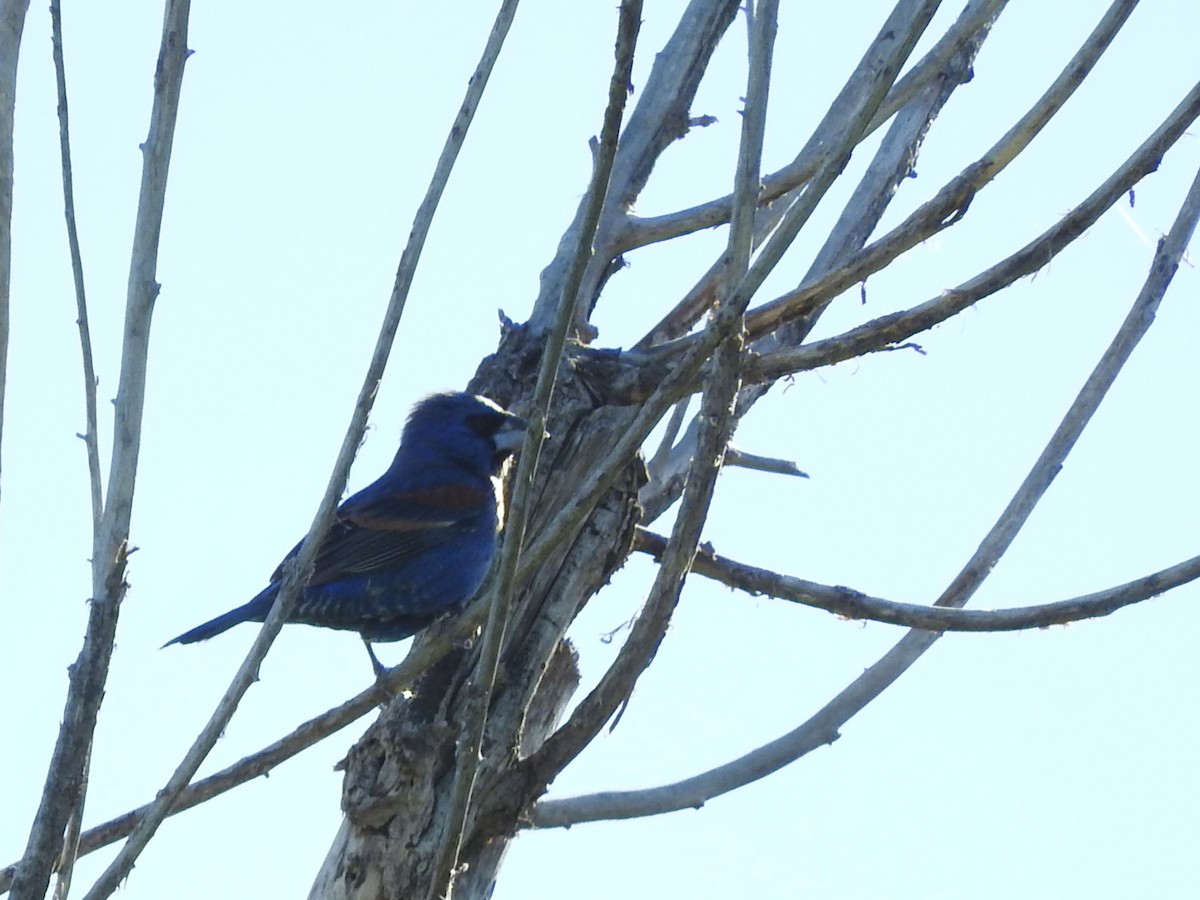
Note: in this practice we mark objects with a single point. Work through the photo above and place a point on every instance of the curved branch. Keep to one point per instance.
(830, 148)
(66, 861)
(822, 727)
(89, 436)
(889, 168)
(500, 594)
(886, 331)
(852, 604)
(64, 788)
(297, 571)
(977, 15)
(951, 202)
(694, 792)
(720, 390)
(421, 657)
(659, 118)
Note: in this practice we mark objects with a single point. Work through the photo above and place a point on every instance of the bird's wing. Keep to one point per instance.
(375, 532)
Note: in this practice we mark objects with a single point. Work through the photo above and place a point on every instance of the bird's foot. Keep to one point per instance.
(380, 669)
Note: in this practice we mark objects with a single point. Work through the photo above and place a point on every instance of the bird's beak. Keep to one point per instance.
(511, 435)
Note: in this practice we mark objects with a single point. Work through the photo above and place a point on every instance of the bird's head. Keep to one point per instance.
(468, 428)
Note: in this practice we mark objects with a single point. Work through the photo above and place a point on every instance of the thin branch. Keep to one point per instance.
(500, 596)
(65, 865)
(893, 163)
(659, 118)
(398, 679)
(822, 728)
(297, 571)
(64, 787)
(889, 167)
(694, 792)
(12, 24)
(977, 16)
(861, 95)
(663, 453)
(721, 387)
(892, 47)
(89, 436)
(951, 202)
(567, 811)
(852, 604)
(744, 460)
(886, 331)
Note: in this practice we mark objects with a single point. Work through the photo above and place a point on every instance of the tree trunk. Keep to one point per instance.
(399, 776)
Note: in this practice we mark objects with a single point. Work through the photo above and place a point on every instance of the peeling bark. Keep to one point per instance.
(398, 776)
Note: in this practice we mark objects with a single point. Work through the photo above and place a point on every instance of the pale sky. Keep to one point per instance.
(1048, 764)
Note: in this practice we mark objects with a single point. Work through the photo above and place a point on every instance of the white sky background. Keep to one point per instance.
(1050, 764)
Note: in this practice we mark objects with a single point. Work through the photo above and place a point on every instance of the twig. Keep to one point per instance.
(872, 88)
(500, 595)
(822, 728)
(852, 604)
(976, 16)
(12, 23)
(63, 788)
(951, 202)
(297, 571)
(862, 96)
(89, 436)
(658, 120)
(744, 460)
(66, 862)
(716, 415)
(880, 333)
(836, 138)
(398, 678)
(663, 453)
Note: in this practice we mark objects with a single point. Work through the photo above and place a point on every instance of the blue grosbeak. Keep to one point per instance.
(413, 544)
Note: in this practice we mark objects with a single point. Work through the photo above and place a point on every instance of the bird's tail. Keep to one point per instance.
(254, 611)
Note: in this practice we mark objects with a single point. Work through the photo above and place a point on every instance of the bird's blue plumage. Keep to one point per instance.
(413, 544)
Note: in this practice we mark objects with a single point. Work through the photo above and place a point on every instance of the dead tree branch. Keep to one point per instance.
(502, 588)
(822, 728)
(852, 604)
(63, 791)
(976, 17)
(886, 331)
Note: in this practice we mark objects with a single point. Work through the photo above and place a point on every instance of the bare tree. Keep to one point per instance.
(474, 724)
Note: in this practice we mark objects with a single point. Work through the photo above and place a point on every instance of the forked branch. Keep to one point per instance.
(822, 727)
(64, 788)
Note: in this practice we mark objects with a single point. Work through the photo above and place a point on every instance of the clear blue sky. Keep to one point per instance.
(1050, 764)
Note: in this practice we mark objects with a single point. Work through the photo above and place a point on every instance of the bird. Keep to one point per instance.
(415, 543)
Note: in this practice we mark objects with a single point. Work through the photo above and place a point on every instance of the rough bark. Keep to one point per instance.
(397, 777)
